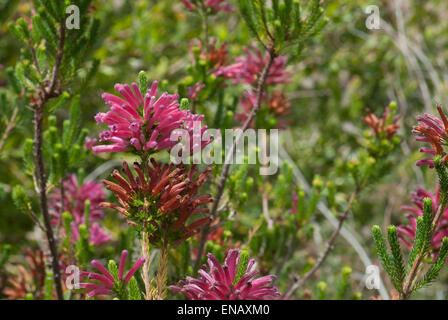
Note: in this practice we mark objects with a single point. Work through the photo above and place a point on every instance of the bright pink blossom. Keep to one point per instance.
(141, 124)
(247, 68)
(75, 197)
(407, 232)
(105, 282)
(218, 282)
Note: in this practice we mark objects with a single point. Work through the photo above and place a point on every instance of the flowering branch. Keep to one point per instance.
(413, 274)
(427, 235)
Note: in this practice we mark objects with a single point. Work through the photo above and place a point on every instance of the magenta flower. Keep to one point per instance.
(75, 197)
(219, 282)
(106, 283)
(295, 203)
(97, 234)
(434, 131)
(144, 124)
(214, 5)
(249, 66)
(407, 232)
(232, 71)
(247, 102)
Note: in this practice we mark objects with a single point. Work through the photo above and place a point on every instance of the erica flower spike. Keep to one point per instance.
(161, 205)
(235, 280)
(143, 124)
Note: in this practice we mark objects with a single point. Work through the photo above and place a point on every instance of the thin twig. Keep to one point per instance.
(296, 285)
(50, 91)
(204, 17)
(347, 233)
(62, 209)
(229, 156)
(44, 95)
(289, 251)
(42, 180)
(36, 220)
(36, 62)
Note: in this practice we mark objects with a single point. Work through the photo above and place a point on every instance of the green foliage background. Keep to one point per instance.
(343, 71)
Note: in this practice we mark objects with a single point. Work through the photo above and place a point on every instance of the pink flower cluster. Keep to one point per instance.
(105, 279)
(218, 282)
(75, 197)
(247, 68)
(141, 124)
(407, 232)
(215, 5)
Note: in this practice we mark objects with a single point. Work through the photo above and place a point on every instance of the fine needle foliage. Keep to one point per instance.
(422, 266)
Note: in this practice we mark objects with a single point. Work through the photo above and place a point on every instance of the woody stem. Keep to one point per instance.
(145, 271)
(162, 272)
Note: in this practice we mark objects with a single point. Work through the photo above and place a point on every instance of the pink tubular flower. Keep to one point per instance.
(89, 143)
(75, 197)
(249, 66)
(407, 232)
(194, 91)
(232, 71)
(218, 282)
(214, 5)
(107, 283)
(143, 124)
(435, 131)
(295, 203)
